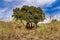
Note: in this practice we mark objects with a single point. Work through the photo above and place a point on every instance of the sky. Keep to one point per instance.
(49, 7)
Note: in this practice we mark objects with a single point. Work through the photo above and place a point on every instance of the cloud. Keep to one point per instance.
(56, 16)
(32, 2)
(46, 20)
(49, 18)
(11, 4)
(3, 10)
(57, 8)
(38, 2)
(8, 0)
(5, 14)
(45, 2)
(20, 3)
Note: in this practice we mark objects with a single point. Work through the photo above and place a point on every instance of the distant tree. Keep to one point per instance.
(30, 14)
(54, 20)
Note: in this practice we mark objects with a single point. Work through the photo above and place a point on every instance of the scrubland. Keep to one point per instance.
(17, 31)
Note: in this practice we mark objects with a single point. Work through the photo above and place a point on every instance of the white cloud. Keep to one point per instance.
(57, 7)
(57, 16)
(49, 18)
(8, 0)
(3, 10)
(17, 3)
(20, 3)
(33, 2)
(45, 2)
(5, 14)
(38, 2)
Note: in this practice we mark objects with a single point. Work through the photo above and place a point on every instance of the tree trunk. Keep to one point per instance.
(29, 25)
(35, 25)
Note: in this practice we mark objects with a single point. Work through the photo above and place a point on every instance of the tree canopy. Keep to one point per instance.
(29, 13)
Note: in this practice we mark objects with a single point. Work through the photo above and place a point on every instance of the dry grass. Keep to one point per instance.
(17, 31)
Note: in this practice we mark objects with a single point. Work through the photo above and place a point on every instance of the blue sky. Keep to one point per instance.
(50, 7)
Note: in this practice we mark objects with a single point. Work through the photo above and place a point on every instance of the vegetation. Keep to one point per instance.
(30, 14)
(17, 31)
(54, 20)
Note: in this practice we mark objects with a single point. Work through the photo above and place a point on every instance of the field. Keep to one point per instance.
(17, 31)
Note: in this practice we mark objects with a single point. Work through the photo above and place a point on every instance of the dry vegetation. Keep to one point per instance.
(17, 31)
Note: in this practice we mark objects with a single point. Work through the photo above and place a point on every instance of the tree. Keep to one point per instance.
(30, 14)
(54, 20)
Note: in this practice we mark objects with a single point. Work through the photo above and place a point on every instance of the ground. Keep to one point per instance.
(18, 31)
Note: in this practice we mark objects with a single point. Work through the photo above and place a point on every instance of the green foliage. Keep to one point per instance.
(29, 13)
(54, 21)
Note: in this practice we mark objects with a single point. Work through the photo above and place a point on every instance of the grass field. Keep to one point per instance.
(17, 31)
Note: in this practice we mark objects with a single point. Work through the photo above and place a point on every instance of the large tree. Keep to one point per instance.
(30, 14)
